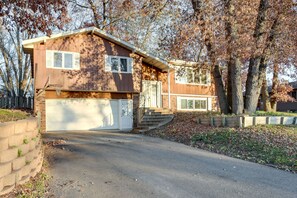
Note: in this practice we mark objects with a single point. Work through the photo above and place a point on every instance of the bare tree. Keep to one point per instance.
(21, 19)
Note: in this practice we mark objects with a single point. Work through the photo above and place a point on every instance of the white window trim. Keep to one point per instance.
(129, 61)
(178, 102)
(63, 63)
(189, 95)
(197, 84)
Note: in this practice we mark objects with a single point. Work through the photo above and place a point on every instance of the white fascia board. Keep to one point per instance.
(181, 63)
(44, 38)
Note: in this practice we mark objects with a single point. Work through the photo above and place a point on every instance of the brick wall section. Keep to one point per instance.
(173, 102)
(21, 153)
(39, 108)
(136, 115)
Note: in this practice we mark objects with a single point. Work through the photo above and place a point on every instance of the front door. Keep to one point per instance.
(151, 93)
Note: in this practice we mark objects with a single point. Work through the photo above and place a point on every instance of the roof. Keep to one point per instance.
(147, 57)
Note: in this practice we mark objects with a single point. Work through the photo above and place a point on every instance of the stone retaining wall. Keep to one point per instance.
(21, 153)
(245, 121)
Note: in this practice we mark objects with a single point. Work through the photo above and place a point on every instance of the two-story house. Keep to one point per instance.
(90, 80)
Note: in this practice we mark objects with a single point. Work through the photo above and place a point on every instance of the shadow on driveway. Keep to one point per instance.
(114, 164)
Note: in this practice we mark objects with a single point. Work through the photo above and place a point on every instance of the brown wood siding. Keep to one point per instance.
(92, 75)
(89, 95)
(152, 73)
(40, 77)
(189, 89)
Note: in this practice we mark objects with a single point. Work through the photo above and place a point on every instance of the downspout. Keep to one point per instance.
(168, 81)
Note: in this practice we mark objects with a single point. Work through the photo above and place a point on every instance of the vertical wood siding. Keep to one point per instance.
(176, 88)
(92, 75)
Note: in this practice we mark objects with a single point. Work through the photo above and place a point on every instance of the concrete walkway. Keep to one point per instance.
(111, 164)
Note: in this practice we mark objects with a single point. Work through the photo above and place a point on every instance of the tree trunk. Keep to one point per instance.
(104, 14)
(253, 86)
(234, 65)
(221, 93)
(275, 83)
(252, 92)
(229, 51)
(96, 15)
(265, 96)
(273, 106)
(237, 97)
(229, 87)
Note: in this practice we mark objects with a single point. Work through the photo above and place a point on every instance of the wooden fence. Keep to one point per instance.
(16, 102)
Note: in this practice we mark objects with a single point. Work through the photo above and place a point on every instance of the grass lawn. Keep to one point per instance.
(264, 113)
(271, 145)
(12, 115)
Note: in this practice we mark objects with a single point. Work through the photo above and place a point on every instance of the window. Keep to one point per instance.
(184, 104)
(114, 64)
(124, 65)
(118, 64)
(57, 59)
(62, 60)
(200, 104)
(194, 104)
(192, 76)
(68, 60)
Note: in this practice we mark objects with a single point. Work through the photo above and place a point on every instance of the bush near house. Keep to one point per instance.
(271, 145)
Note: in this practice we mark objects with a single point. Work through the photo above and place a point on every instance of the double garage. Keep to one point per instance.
(65, 114)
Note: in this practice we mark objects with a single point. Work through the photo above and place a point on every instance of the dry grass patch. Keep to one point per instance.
(12, 115)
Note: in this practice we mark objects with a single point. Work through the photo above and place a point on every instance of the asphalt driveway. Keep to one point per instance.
(113, 164)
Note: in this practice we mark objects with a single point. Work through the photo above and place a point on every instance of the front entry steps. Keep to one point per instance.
(154, 118)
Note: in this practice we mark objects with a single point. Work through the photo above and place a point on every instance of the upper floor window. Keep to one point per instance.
(192, 76)
(62, 60)
(118, 64)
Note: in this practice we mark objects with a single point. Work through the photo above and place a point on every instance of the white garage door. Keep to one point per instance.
(86, 114)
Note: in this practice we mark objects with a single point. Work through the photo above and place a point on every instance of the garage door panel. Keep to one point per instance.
(81, 114)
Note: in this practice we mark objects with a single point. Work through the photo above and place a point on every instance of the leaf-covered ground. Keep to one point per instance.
(12, 115)
(274, 146)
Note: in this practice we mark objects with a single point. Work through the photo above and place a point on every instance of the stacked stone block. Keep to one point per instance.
(21, 153)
